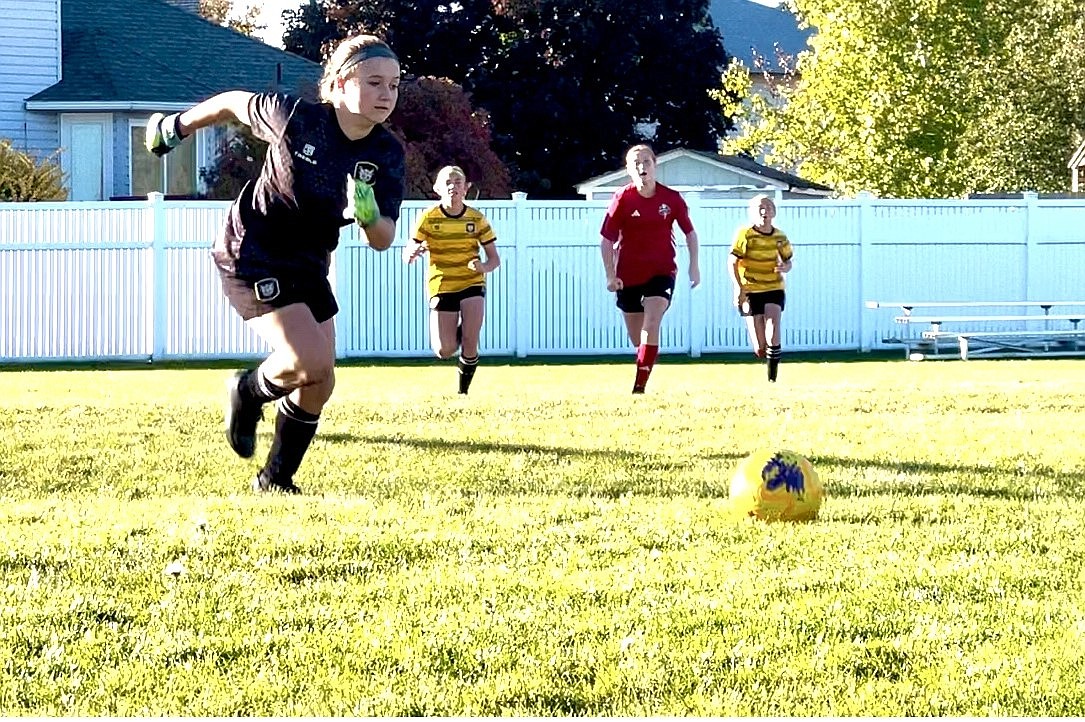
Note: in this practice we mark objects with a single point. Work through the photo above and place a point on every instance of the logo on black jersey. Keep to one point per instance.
(306, 154)
(365, 171)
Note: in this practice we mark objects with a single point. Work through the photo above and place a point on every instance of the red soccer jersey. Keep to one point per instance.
(641, 230)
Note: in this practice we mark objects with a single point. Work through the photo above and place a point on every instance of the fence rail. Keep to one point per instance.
(133, 280)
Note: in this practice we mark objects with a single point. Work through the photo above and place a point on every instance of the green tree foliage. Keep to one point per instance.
(311, 30)
(24, 179)
(242, 18)
(925, 98)
(439, 127)
(567, 84)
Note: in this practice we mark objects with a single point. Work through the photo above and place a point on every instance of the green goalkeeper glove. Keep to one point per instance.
(361, 203)
(163, 133)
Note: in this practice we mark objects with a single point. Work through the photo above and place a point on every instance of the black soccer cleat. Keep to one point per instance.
(241, 419)
(263, 485)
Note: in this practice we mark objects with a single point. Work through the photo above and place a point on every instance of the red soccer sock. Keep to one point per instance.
(646, 359)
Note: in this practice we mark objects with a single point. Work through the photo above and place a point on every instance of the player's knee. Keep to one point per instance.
(313, 369)
(444, 352)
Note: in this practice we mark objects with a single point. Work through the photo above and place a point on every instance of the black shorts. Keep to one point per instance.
(631, 298)
(451, 301)
(756, 302)
(252, 298)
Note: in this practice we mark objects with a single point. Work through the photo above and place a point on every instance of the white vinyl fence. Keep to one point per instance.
(124, 280)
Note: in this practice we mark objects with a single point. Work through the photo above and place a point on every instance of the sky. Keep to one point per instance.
(271, 15)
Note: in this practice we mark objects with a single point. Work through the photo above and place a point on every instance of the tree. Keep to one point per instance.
(223, 12)
(567, 84)
(24, 179)
(1031, 103)
(578, 82)
(923, 98)
(311, 30)
(439, 127)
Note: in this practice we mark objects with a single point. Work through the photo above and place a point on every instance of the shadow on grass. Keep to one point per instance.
(467, 446)
(915, 477)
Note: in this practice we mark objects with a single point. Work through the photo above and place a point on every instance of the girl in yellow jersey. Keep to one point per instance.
(462, 249)
(760, 256)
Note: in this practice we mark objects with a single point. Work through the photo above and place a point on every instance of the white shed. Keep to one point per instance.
(712, 175)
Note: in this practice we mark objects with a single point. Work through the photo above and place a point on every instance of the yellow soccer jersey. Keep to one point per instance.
(453, 241)
(758, 254)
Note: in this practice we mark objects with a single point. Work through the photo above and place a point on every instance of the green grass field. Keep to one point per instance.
(550, 545)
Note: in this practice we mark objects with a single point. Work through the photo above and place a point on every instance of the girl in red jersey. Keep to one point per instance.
(639, 254)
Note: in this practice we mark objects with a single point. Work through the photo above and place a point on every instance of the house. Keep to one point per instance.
(711, 175)
(81, 77)
(753, 32)
(1077, 169)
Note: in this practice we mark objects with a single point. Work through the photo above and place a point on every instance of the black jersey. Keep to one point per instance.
(287, 221)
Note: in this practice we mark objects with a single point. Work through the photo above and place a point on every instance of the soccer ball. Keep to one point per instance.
(776, 485)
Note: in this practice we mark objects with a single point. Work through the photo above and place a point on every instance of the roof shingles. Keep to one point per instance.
(148, 51)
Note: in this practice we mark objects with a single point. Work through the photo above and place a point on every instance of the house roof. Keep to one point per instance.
(150, 55)
(734, 163)
(750, 27)
(1078, 158)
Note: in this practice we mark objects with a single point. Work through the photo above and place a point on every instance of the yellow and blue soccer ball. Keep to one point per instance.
(776, 485)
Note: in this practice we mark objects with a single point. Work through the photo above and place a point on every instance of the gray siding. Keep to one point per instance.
(29, 63)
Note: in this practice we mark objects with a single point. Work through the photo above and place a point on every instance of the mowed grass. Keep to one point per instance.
(549, 545)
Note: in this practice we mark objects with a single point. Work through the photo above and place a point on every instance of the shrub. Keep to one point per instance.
(22, 178)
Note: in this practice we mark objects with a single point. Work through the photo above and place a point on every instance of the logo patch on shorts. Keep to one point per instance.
(267, 289)
(433, 302)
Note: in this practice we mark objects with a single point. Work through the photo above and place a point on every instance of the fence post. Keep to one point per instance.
(695, 316)
(521, 278)
(342, 283)
(1033, 272)
(866, 321)
(160, 273)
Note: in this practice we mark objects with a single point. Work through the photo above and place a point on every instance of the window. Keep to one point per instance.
(175, 174)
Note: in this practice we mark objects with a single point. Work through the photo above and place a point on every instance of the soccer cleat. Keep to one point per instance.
(263, 485)
(241, 419)
(638, 389)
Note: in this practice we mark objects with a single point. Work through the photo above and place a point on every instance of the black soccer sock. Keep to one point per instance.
(774, 355)
(255, 388)
(294, 431)
(467, 366)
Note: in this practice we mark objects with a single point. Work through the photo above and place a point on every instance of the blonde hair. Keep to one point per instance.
(754, 206)
(348, 54)
(449, 171)
(639, 147)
